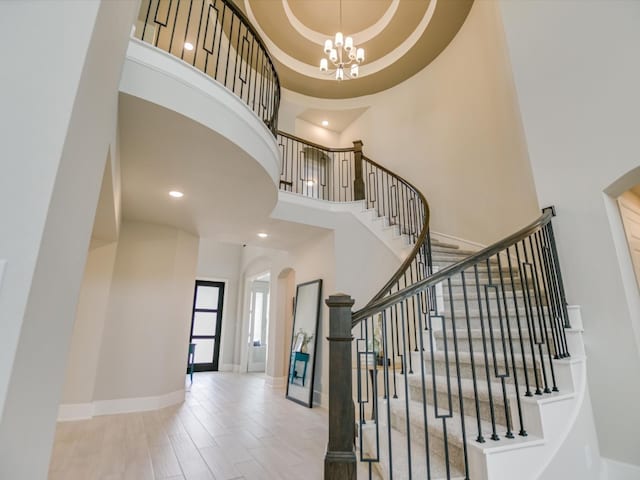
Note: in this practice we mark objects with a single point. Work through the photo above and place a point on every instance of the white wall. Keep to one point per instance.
(454, 131)
(58, 121)
(146, 333)
(221, 261)
(577, 71)
(315, 134)
(91, 313)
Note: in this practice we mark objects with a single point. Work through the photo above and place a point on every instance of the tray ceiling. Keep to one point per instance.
(400, 38)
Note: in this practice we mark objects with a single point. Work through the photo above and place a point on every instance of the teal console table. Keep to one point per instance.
(298, 357)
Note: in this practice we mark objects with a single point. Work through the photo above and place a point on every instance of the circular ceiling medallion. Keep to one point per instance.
(400, 38)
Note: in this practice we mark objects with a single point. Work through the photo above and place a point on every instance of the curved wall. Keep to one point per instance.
(454, 131)
(146, 331)
(160, 78)
(579, 98)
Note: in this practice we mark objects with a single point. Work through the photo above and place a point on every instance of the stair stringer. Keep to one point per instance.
(550, 418)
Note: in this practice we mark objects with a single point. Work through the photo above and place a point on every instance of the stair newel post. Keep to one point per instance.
(358, 182)
(340, 458)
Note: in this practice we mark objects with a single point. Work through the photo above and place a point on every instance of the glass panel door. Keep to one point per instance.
(206, 323)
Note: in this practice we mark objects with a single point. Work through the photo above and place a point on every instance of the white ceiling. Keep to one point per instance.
(338, 120)
(227, 195)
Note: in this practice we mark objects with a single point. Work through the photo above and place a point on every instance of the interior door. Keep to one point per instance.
(206, 324)
(258, 326)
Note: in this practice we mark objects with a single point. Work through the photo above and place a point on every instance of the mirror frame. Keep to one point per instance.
(318, 282)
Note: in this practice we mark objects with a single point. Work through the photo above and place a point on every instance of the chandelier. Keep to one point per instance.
(344, 56)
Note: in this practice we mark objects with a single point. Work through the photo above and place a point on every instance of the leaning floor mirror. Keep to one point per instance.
(304, 341)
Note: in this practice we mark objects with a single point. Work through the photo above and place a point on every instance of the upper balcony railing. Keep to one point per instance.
(215, 37)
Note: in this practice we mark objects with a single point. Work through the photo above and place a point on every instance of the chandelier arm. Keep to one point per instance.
(344, 64)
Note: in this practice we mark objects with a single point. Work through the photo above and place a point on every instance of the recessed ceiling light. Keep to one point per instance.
(310, 183)
(263, 235)
(325, 123)
(188, 46)
(176, 194)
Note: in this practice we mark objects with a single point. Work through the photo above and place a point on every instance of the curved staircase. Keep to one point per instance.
(459, 352)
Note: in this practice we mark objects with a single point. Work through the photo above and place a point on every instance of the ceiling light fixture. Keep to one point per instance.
(263, 235)
(342, 53)
(176, 194)
(325, 123)
(188, 46)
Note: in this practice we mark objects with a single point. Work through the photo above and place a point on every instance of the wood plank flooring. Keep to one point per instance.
(231, 426)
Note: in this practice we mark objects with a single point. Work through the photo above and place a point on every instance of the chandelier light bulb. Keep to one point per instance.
(360, 55)
(333, 55)
(354, 70)
(328, 45)
(339, 74)
(324, 65)
(339, 40)
(352, 54)
(348, 44)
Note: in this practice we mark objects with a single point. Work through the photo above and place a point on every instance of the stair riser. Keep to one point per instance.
(475, 322)
(470, 280)
(480, 370)
(469, 404)
(477, 344)
(482, 269)
(436, 442)
(472, 294)
(380, 470)
(474, 312)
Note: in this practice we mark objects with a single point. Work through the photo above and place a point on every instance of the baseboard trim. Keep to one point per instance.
(229, 367)
(84, 411)
(75, 411)
(320, 399)
(615, 470)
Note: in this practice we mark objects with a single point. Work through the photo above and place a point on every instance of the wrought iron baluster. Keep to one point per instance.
(522, 431)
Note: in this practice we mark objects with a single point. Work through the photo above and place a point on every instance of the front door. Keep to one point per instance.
(206, 323)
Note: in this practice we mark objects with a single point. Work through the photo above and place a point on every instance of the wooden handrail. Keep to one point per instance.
(381, 304)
